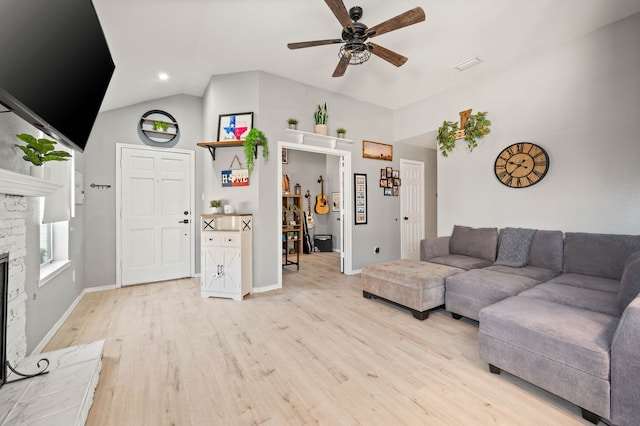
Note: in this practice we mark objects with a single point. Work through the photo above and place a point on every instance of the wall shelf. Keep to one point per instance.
(211, 146)
(300, 136)
(18, 184)
(148, 134)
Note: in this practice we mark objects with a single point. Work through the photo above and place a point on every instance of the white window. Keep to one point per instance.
(46, 243)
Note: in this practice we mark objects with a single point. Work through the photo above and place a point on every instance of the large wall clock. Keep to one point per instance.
(521, 165)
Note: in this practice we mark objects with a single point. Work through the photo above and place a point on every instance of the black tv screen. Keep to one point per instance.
(55, 66)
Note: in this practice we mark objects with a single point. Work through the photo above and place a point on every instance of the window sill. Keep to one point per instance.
(52, 270)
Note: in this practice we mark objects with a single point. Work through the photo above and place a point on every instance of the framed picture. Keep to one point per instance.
(360, 194)
(377, 150)
(396, 182)
(234, 127)
(383, 173)
(388, 191)
(395, 191)
(335, 201)
(389, 172)
(383, 183)
(396, 174)
(285, 156)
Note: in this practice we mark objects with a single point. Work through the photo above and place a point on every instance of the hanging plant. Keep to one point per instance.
(253, 139)
(474, 128)
(447, 137)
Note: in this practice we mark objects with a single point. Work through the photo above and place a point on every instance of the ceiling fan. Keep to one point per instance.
(355, 34)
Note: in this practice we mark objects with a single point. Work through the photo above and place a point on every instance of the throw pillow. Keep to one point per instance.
(514, 247)
(630, 283)
(474, 242)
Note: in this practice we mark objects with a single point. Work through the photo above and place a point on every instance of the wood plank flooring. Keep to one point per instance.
(315, 352)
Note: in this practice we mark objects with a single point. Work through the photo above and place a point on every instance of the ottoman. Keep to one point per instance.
(410, 283)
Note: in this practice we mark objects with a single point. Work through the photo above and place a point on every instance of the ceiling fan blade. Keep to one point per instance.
(338, 9)
(302, 44)
(388, 55)
(342, 66)
(405, 19)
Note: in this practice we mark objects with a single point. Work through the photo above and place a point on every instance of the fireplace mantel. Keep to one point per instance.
(18, 184)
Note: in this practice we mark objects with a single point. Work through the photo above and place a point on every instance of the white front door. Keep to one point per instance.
(155, 215)
(412, 208)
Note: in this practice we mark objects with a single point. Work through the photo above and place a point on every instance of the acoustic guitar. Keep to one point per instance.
(308, 215)
(322, 205)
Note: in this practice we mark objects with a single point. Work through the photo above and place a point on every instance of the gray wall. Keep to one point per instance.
(121, 126)
(581, 102)
(45, 305)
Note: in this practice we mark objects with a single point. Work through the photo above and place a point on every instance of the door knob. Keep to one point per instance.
(184, 221)
(406, 218)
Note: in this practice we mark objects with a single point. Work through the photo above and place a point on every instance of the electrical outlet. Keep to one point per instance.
(376, 250)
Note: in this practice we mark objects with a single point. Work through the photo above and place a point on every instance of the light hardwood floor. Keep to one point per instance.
(315, 352)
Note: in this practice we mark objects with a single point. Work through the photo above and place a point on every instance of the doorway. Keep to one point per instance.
(345, 213)
(154, 205)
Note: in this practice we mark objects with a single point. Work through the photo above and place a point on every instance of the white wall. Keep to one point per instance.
(581, 102)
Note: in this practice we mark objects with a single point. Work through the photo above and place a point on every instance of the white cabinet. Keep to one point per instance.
(227, 266)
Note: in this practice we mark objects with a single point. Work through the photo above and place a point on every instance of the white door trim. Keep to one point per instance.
(119, 148)
(347, 199)
(404, 162)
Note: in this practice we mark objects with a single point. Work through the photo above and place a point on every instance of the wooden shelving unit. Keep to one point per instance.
(292, 234)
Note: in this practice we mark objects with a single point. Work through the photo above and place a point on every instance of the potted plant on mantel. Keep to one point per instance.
(293, 123)
(250, 144)
(38, 152)
(215, 206)
(321, 120)
(341, 131)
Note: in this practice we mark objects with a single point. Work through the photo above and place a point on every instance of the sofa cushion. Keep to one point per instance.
(630, 283)
(601, 255)
(479, 288)
(474, 242)
(538, 274)
(578, 338)
(547, 250)
(587, 281)
(461, 261)
(582, 298)
(513, 249)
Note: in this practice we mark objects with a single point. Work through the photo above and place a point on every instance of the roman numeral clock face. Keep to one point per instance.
(521, 165)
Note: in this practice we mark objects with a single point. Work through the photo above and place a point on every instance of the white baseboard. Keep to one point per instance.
(47, 338)
(264, 289)
(354, 272)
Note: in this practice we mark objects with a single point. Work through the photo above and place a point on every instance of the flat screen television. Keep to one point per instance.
(55, 66)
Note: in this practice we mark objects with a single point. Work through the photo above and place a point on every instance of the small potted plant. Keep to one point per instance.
(321, 120)
(341, 131)
(160, 126)
(293, 123)
(38, 152)
(215, 206)
(250, 144)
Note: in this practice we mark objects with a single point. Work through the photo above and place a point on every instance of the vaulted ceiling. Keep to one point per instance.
(191, 40)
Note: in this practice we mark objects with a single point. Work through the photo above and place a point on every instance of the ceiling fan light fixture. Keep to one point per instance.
(468, 64)
(358, 53)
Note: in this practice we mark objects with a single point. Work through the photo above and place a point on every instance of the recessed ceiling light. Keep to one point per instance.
(163, 76)
(468, 63)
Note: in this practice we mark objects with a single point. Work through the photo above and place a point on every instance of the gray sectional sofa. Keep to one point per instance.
(560, 311)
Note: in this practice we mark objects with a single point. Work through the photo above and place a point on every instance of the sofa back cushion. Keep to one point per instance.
(513, 248)
(547, 250)
(475, 242)
(601, 255)
(630, 282)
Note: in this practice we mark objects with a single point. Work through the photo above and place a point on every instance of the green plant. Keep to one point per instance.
(253, 139)
(321, 114)
(215, 203)
(160, 126)
(476, 127)
(291, 211)
(39, 151)
(340, 130)
(292, 121)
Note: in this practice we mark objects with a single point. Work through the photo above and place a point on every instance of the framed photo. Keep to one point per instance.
(234, 127)
(396, 174)
(360, 195)
(388, 191)
(335, 201)
(377, 150)
(383, 183)
(383, 173)
(396, 191)
(285, 156)
(396, 182)
(389, 172)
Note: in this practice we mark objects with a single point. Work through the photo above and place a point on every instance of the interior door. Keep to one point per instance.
(155, 215)
(412, 208)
